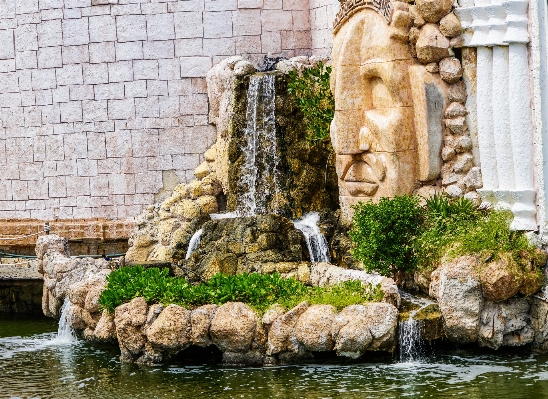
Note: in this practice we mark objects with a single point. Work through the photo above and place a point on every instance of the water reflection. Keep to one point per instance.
(36, 367)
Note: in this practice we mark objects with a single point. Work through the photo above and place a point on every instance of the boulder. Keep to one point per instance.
(105, 330)
(500, 279)
(457, 92)
(75, 317)
(281, 335)
(506, 324)
(91, 302)
(171, 329)
(350, 331)
(450, 25)
(431, 46)
(272, 313)
(383, 324)
(456, 285)
(433, 10)
(233, 327)
(450, 69)
(128, 319)
(200, 320)
(313, 328)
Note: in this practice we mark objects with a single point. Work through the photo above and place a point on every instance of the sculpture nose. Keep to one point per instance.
(365, 139)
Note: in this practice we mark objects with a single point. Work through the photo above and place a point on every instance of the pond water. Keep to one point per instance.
(35, 364)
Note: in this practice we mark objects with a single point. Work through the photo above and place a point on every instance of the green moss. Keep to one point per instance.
(259, 291)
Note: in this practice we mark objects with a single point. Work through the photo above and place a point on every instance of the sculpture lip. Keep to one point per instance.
(361, 189)
(358, 171)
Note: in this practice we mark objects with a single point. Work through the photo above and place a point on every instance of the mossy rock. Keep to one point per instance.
(430, 319)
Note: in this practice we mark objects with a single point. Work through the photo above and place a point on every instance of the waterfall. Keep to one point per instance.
(315, 240)
(411, 344)
(194, 242)
(65, 334)
(260, 171)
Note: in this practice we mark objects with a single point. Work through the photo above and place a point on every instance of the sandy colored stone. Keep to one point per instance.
(105, 330)
(313, 329)
(78, 292)
(500, 279)
(463, 144)
(200, 319)
(75, 317)
(202, 170)
(171, 330)
(181, 191)
(136, 254)
(91, 303)
(281, 335)
(418, 20)
(450, 69)
(350, 331)
(457, 92)
(456, 125)
(448, 153)
(272, 314)
(383, 324)
(208, 204)
(233, 327)
(186, 208)
(463, 163)
(433, 10)
(161, 253)
(450, 25)
(432, 45)
(194, 189)
(128, 319)
(432, 67)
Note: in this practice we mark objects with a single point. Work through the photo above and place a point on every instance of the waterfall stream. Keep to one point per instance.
(315, 240)
(260, 172)
(65, 332)
(193, 244)
(411, 343)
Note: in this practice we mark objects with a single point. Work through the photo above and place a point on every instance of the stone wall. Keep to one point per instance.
(103, 104)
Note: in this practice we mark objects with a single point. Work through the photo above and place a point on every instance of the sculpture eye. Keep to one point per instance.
(380, 95)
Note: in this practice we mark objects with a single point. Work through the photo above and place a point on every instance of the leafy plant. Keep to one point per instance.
(384, 234)
(313, 94)
(259, 291)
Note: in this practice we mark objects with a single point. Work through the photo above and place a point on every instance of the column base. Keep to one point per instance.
(520, 202)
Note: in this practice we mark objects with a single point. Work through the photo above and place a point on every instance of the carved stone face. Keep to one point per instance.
(373, 131)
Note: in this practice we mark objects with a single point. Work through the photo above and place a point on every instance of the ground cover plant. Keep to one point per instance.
(313, 94)
(259, 291)
(404, 234)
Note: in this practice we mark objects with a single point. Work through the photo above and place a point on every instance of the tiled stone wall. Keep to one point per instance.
(322, 14)
(103, 102)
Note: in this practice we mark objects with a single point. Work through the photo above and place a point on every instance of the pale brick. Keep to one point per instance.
(301, 21)
(50, 57)
(121, 109)
(63, 128)
(194, 104)
(19, 190)
(169, 69)
(77, 185)
(218, 24)
(189, 47)
(144, 143)
(5, 193)
(154, 8)
(35, 204)
(61, 94)
(10, 100)
(43, 79)
(7, 9)
(86, 167)
(129, 51)
(50, 4)
(81, 92)
(47, 15)
(188, 25)
(148, 183)
(246, 22)
(33, 116)
(157, 87)
(26, 38)
(94, 111)
(75, 32)
(188, 5)
(68, 75)
(171, 141)
(7, 49)
(12, 117)
(44, 97)
(147, 107)
(99, 185)
(20, 148)
(51, 114)
(75, 54)
(186, 162)
(102, 29)
(250, 4)
(274, 20)
(195, 66)
(248, 44)
(26, 59)
(109, 165)
(220, 47)
(118, 146)
(121, 71)
(132, 165)
(95, 74)
(77, 3)
(145, 69)
(296, 5)
(221, 5)
(158, 49)
(131, 28)
(121, 184)
(26, 6)
(200, 139)
(271, 42)
(96, 145)
(71, 111)
(39, 190)
(179, 87)
(30, 172)
(50, 33)
(160, 27)
(9, 82)
(110, 91)
(72, 13)
(136, 88)
(101, 52)
(125, 9)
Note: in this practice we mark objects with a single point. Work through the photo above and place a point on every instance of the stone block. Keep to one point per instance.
(95, 74)
(136, 88)
(157, 88)
(26, 60)
(94, 110)
(147, 107)
(160, 27)
(169, 69)
(101, 52)
(69, 75)
(189, 47)
(57, 186)
(77, 185)
(145, 69)
(75, 147)
(250, 4)
(71, 111)
(10, 100)
(75, 32)
(121, 184)
(19, 190)
(159, 49)
(301, 20)
(131, 28)
(432, 46)
(99, 185)
(246, 22)
(272, 4)
(110, 91)
(195, 66)
(194, 104)
(26, 6)
(96, 145)
(26, 38)
(121, 71)
(102, 28)
(248, 44)
(60, 94)
(271, 42)
(188, 24)
(86, 167)
(144, 143)
(33, 116)
(7, 50)
(121, 109)
(50, 33)
(7, 65)
(75, 54)
(169, 107)
(129, 51)
(50, 57)
(219, 47)
(276, 20)
(217, 24)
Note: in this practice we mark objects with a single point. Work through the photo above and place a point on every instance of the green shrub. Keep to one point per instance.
(259, 291)
(384, 234)
(313, 94)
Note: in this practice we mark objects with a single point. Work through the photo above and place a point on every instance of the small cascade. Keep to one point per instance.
(194, 242)
(315, 240)
(260, 172)
(65, 334)
(411, 344)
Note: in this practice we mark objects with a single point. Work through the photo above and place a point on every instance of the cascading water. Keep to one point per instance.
(315, 240)
(194, 242)
(411, 344)
(65, 334)
(260, 172)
